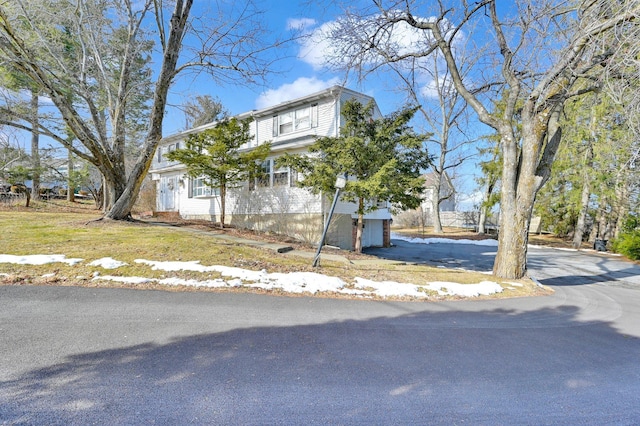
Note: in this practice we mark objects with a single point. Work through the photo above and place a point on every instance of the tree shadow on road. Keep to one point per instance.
(495, 366)
(626, 276)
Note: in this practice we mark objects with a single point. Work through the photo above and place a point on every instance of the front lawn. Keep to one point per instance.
(73, 230)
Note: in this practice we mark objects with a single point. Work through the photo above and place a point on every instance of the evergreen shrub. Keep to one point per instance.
(628, 242)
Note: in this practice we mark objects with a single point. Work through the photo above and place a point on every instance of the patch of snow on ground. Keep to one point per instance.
(293, 282)
(107, 263)
(126, 280)
(483, 288)
(301, 282)
(216, 283)
(391, 288)
(38, 259)
(485, 242)
(174, 266)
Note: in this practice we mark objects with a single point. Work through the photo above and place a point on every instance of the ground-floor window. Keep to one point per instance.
(199, 188)
(271, 176)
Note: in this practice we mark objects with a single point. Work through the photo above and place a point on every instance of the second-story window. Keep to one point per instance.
(286, 123)
(162, 150)
(296, 120)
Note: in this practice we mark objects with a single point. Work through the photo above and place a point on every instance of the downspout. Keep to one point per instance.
(337, 115)
(336, 134)
(256, 126)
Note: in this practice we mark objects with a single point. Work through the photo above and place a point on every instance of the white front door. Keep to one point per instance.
(168, 188)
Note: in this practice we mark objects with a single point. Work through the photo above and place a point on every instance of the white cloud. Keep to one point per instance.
(301, 87)
(316, 47)
(469, 202)
(320, 49)
(320, 44)
(300, 24)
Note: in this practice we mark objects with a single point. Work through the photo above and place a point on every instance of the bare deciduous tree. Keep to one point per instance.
(90, 59)
(412, 67)
(540, 53)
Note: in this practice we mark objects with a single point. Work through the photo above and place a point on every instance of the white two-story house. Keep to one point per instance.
(275, 203)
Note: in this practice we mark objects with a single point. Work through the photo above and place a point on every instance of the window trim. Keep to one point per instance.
(283, 177)
(294, 123)
(198, 184)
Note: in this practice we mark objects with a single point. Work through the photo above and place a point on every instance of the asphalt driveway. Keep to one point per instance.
(116, 356)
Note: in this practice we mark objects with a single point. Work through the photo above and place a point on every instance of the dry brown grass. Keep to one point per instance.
(546, 240)
(74, 230)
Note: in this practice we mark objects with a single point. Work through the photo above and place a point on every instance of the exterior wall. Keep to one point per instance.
(448, 205)
(339, 234)
(456, 219)
(283, 209)
(326, 126)
(168, 196)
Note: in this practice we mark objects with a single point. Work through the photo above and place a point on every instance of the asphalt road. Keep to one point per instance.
(114, 356)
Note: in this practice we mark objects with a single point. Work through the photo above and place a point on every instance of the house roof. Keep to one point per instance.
(431, 178)
(331, 92)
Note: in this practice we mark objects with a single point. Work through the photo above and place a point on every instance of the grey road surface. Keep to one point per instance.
(116, 356)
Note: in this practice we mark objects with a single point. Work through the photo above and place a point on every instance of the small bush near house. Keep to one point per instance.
(408, 219)
(628, 242)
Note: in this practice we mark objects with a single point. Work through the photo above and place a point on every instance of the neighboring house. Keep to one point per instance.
(446, 190)
(424, 216)
(275, 203)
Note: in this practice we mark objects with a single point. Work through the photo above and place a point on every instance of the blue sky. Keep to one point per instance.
(302, 73)
(292, 77)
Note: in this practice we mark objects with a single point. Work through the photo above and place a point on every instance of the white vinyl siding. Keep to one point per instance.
(274, 202)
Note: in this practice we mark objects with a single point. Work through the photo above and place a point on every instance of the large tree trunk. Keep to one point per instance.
(578, 234)
(35, 146)
(524, 171)
(515, 216)
(484, 208)
(119, 197)
(511, 259)
(359, 227)
(223, 196)
(125, 196)
(114, 185)
(582, 216)
(435, 204)
(70, 189)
